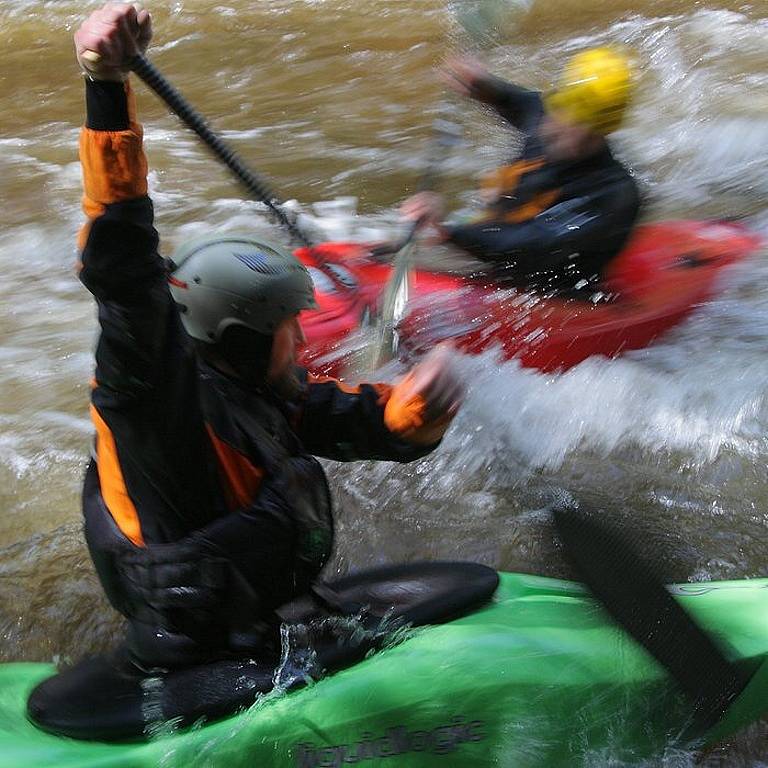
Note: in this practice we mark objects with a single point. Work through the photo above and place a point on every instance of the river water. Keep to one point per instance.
(335, 98)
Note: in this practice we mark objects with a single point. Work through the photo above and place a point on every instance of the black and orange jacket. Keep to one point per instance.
(564, 218)
(181, 448)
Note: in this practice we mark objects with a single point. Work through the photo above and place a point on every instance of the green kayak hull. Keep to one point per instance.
(538, 677)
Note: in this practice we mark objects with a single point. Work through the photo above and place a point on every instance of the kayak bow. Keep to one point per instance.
(539, 677)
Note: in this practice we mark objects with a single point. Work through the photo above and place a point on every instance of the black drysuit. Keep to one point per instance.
(204, 506)
(553, 224)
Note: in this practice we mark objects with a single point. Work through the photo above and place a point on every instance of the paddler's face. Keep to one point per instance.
(564, 141)
(287, 343)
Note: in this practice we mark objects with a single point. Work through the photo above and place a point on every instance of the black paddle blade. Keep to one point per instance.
(632, 593)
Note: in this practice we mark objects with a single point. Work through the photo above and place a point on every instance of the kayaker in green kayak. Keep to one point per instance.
(558, 213)
(204, 505)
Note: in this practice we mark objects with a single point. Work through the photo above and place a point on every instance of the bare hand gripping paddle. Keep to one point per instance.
(256, 186)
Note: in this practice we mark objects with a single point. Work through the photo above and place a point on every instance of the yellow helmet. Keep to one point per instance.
(594, 89)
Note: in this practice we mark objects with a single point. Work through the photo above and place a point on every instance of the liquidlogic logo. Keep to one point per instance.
(397, 740)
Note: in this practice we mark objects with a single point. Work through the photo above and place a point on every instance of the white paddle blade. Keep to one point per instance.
(487, 22)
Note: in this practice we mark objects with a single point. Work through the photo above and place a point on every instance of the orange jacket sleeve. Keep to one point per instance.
(367, 421)
(113, 160)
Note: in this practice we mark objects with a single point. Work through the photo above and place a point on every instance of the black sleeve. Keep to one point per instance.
(518, 106)
(548, 240)
(125, 274)
(120, 259)
(347, 424)
(120, 264)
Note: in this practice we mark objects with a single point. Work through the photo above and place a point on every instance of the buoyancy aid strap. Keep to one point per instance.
(112, 482)
(530, 210)
(503, 181)
(506, 177)
(241, 479)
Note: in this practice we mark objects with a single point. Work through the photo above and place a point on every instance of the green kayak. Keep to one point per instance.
(538, 676)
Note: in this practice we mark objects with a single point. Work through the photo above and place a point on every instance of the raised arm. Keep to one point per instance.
(111, 152)
(151, 446)
(518, 106)
(120, 264)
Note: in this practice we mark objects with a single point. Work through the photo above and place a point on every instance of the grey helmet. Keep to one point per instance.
(234, 279)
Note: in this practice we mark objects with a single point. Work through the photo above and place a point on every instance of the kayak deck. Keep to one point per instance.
(540, 677)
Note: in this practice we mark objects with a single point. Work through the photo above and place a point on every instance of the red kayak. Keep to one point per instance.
(663, 274)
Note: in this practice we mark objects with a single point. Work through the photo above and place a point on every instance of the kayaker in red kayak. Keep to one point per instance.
(204, 505)
(559, 212)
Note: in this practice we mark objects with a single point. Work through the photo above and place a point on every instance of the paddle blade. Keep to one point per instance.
(607, 561)
(488, 22)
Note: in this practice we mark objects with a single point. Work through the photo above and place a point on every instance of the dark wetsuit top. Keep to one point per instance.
(197, 475)
(554, 224)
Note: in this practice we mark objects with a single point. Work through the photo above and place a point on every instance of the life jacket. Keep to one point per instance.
(252, 438)
(251, 441)
(519, 191)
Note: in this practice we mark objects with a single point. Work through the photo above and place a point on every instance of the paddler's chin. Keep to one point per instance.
(287, 385)
(568, 142)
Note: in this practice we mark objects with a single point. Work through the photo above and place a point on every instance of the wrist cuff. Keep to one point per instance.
(107, 105)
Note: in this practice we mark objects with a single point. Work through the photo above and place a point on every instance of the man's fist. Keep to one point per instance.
(109, 38)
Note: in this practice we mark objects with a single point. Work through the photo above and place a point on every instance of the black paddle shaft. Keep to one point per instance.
(631, 592)
(445, 135)
(255, 186)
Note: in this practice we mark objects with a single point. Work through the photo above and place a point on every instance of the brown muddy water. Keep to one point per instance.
(335, 98)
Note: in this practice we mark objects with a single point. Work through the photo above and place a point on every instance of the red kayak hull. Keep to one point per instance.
(664, 273)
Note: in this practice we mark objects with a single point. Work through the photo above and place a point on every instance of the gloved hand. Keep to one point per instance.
(424, 402)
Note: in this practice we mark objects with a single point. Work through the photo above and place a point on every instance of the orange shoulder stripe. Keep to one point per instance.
(505, 178)
(241, 478)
